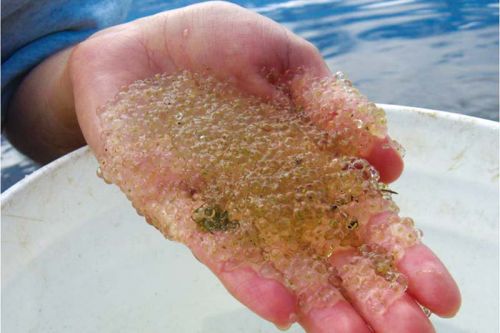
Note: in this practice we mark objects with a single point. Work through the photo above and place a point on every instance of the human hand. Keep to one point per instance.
(235, 45)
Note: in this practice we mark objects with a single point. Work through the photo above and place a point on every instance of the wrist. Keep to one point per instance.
(41, 117)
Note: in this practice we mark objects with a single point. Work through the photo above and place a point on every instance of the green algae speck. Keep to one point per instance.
(212, 218)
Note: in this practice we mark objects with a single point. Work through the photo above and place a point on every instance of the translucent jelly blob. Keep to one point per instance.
(272, 185)
(335, 105)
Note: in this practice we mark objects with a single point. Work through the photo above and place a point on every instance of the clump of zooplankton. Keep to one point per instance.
(274, 186)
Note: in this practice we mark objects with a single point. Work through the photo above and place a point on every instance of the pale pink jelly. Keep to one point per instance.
(269, 185)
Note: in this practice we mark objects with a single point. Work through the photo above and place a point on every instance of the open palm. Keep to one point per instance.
(235, 45)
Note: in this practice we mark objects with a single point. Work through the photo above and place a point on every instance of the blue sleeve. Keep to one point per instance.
(32, 30)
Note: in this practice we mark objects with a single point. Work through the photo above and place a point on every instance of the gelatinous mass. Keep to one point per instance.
(274, 185)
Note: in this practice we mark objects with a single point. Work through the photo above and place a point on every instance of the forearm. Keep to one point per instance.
(41, 119)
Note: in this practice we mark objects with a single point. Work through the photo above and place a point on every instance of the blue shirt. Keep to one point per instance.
(32, 30)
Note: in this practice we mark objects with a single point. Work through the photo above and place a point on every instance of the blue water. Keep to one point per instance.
(434, 54)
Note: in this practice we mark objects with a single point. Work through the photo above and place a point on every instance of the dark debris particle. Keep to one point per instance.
(352, 225)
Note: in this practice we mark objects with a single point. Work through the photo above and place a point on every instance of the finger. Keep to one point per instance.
(383, 304)
(385, 157)
(266, 297)
(428, 279)
(339, 318)
(357, 126)
(303, 55)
